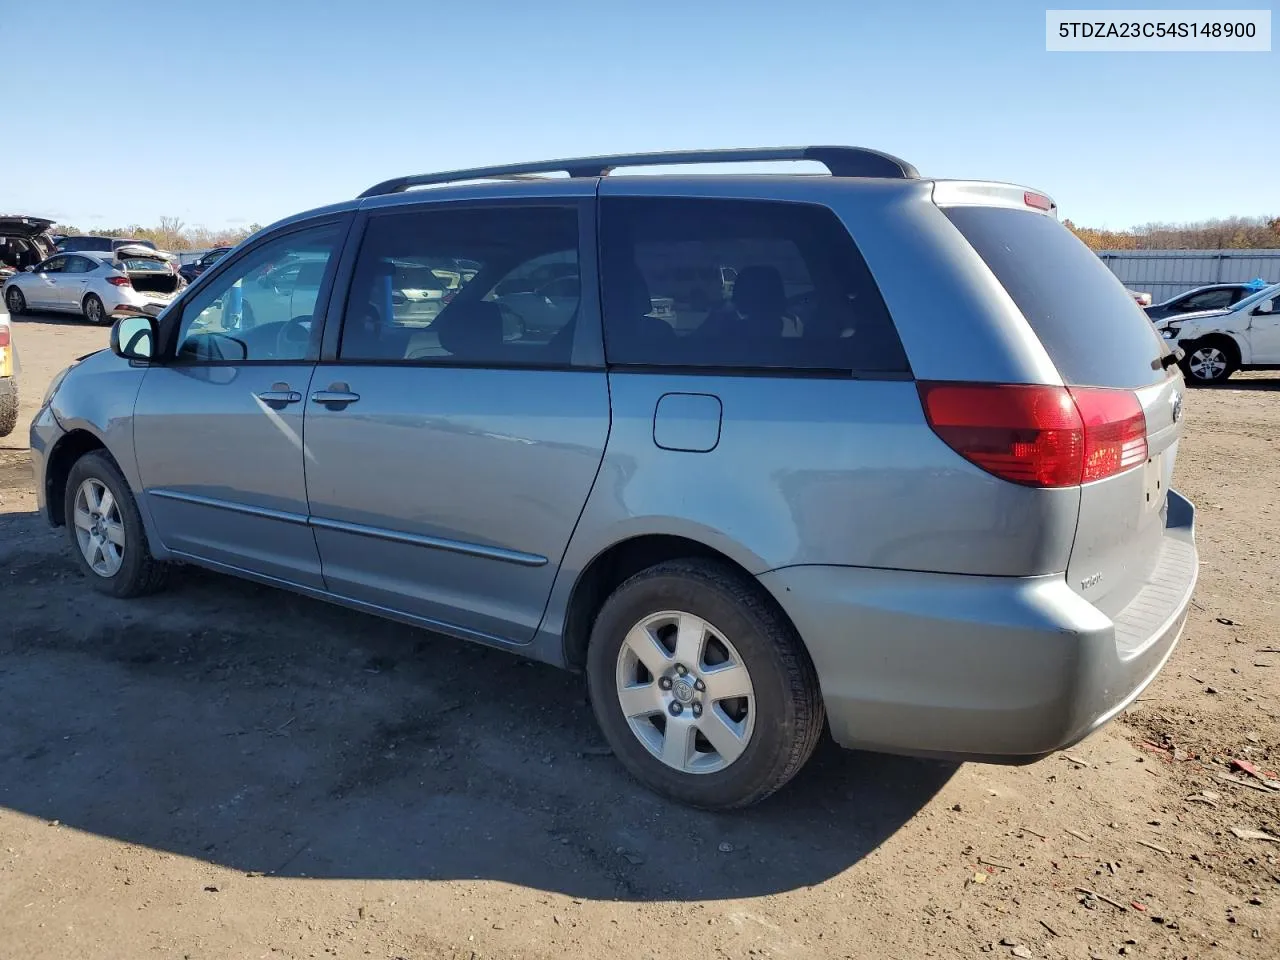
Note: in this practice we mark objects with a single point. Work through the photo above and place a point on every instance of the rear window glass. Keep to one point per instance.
(740, 284)
(86, 243)
(1090, 326)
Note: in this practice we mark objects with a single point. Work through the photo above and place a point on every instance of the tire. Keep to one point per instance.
(1209, 361)
(134, 572)
(774, 728)
(8, 405)
(15, 302)
(93, 310)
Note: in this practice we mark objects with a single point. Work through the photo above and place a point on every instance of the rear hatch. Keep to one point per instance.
(1121, 376)
(24, 241)
(151, 275)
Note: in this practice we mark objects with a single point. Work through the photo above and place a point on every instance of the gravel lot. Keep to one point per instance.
(227, 771)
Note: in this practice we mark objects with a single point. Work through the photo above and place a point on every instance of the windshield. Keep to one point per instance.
(1266, 293)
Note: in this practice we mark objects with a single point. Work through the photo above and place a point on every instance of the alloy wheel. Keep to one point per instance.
(1207, 363)
(99, 528)
(685, 692)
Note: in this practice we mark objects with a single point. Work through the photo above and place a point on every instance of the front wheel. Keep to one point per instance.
(106, 530)
(701, 686)
(16, 302)
(1208, 362)
(93, 309)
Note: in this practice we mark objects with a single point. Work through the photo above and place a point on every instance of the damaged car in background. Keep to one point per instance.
(1217, 343)
(24, 242)
(132, 279)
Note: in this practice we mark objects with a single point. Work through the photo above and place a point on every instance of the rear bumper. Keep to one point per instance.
(1004, 670)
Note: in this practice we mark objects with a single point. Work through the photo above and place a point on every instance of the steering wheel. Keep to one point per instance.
(292, 335)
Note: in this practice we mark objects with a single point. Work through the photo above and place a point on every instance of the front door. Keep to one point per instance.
(218, 428)
(450, 454)
(1264, 332)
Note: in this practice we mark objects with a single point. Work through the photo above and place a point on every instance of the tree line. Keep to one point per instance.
(1229, 233)
(171, 234)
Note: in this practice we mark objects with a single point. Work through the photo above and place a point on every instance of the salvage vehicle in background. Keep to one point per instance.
(95, 285)
(1213, 296)
(190, 271)
(24, 242)
(108, 245)
(1217, 343)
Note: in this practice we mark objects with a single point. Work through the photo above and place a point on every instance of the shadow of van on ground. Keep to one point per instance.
(266, 732)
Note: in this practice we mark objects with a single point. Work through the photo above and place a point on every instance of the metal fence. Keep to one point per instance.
(1165, 273)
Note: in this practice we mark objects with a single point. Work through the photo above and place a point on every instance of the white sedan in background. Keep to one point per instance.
(95, 285)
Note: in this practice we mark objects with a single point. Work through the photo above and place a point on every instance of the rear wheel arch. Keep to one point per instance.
(62, 458)
(616, 564)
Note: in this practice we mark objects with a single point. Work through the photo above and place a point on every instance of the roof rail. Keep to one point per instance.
(840, 161)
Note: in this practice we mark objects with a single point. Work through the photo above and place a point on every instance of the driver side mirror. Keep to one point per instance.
(1266, 307)
(134, 338)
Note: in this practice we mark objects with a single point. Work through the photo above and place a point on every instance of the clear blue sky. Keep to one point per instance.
(228, 111)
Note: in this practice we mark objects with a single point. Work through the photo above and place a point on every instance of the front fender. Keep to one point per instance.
(1189, 333)
(97, 398)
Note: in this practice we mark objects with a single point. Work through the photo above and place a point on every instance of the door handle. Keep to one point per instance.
(280, 393)
(337, 396)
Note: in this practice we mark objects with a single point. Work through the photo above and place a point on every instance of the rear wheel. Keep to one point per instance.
(701, 686)
(93, 309)
(106, 530)
(8, 405)
(16, 302)
(1208, 361)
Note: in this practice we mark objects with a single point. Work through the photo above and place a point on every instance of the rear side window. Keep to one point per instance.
(740, 284)
(1088, 323)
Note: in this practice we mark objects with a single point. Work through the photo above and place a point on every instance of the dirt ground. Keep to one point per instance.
(224, 771)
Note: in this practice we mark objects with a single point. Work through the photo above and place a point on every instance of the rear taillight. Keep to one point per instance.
(1039, 436)
(120, 281)
(1115, 431)
(4, 336)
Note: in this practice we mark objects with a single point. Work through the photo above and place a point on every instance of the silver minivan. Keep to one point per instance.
(907, 478)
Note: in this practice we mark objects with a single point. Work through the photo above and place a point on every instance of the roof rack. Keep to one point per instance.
(841, 161)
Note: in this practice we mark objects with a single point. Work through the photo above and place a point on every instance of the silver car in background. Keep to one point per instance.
(797, 497)
(132, 279)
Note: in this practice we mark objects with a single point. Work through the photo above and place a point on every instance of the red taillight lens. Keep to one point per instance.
(1115, 431)
(4, 336)
(1039, 436)
(120, 281)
